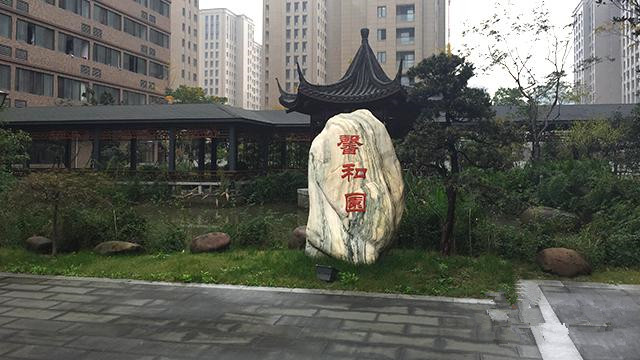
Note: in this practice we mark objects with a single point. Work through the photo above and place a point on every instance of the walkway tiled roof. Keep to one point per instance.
(150, 114)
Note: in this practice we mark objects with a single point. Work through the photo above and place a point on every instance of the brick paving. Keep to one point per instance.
(65, 318)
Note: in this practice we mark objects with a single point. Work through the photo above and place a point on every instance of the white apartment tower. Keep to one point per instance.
(630, 64)
(598, 57)
(184, 43)
(295, 31)
(230, 58)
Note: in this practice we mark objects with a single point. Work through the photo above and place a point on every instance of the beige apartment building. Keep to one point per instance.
(52, 51)
(230, 58)
(294, 32)
(184, 43)
(324, 35)
(409, 30)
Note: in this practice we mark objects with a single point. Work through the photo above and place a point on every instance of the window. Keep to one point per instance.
(34, 82)
(72, 89)
(105, 55)
(71, 45)
(382, 12)
(136, 29)
(408, 57)
(382, 57)
(80, 7)
(34, 34)
(159, 38)
(160, 7)
(102, 93)
(5, 26)
(406, 12)
(5, 77)
(405, 36)
(158, 71)
(144, 3)
(107, 17)
(134, 64)
(133, 98)
(382, 34)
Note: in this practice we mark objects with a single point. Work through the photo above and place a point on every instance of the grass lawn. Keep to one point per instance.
(399, 271)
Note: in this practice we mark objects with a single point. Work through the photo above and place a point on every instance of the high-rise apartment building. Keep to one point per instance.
(294, 32)
(184, 43)
(630, 63)
(230, 58)
(409, 30)
(55, 50)
(597, 55)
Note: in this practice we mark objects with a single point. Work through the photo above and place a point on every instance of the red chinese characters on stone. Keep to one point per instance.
(351, 171)
(349, 144)
(356, 202)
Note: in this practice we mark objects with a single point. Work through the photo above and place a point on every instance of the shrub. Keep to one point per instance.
(279, 187)
(623, 249)
(165, 238)
(252, 232)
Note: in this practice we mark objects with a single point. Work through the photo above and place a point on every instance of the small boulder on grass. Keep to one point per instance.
(210, 242)
(563, 262)
(298, 238)
(117, 248)
(39, 244)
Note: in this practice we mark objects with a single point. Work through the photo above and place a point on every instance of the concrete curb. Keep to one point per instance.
(488, 302)
(552, 337)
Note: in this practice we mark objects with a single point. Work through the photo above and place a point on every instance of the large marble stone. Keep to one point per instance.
(357, 236)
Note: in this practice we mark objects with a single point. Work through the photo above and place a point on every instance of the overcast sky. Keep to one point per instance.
(463, 14)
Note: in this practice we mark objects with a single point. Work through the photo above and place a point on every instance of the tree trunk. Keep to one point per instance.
(535, 149)
(447, 228)
(54, 242)
(446, 242)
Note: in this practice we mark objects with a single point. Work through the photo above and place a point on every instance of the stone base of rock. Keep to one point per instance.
(563, 262)
(303, 198)
(310, 251)
(298, 238)
(211, 242)
(39, 244)
(117, 248)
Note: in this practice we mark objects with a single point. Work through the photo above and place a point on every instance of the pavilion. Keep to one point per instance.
(364, 85)
(82, 131)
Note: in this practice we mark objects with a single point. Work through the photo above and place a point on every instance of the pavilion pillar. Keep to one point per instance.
(133, 154)
(67, 154)
(214, 154)
(233, 149)
(172, 150)
(95, 151)
(201, 154)
(284, 155)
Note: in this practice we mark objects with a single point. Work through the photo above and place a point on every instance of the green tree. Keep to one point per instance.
(508, 97)
(193, 95)
(455, 129)
(538, 75)
(14, 145)
(58, 192)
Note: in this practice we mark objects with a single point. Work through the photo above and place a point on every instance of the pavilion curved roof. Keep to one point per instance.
(364, 82)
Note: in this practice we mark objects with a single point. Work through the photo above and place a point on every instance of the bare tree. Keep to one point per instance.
(512, 42)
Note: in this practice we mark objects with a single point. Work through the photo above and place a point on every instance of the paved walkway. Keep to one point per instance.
(64, 318)
(603, 320)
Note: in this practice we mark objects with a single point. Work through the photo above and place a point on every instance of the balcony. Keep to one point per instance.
(405, 13)
(405, 36)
